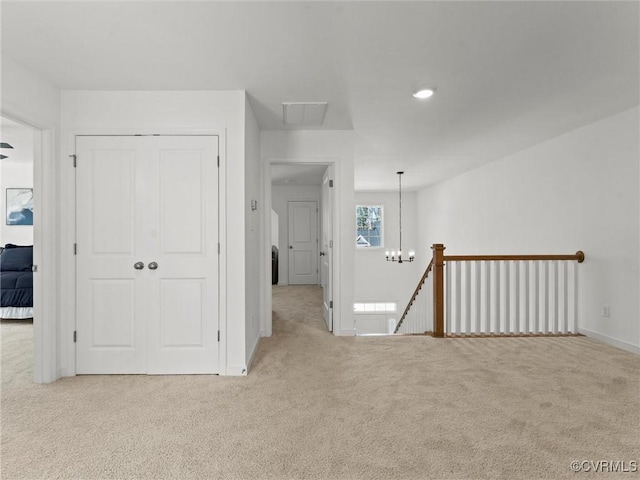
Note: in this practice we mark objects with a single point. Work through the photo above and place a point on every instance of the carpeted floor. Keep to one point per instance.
(316, 406)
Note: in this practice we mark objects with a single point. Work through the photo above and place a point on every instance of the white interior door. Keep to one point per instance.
(326, 254)
(303, 243)
(150, 201)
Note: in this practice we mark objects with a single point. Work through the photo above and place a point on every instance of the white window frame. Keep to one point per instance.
(364, 247)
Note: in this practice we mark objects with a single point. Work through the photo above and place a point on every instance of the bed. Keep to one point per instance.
(16, 282)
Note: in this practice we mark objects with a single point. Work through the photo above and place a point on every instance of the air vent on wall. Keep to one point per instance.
(303, 113)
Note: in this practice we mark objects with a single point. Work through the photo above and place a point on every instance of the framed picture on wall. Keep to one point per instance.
(19, 206)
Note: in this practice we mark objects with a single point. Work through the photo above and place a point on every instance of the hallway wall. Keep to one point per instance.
(579, 191)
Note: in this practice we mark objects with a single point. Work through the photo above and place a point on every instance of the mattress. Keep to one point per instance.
(16, 312)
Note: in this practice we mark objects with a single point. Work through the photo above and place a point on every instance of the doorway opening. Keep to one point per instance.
(20, 144)
(300, 221)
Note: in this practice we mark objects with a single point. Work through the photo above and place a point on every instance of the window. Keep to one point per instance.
(371, 307)
(369, 226)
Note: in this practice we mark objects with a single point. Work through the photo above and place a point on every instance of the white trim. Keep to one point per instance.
(266, 325)
(45, 348)
(347, 332)
(254, 349)
(68, 232)
(629, 347)
(236, 371)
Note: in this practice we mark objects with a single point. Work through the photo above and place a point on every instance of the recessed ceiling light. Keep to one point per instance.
(423, 93)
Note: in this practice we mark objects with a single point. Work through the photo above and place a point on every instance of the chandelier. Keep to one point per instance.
(396, 255)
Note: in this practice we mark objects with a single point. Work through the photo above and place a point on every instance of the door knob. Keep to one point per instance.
(322, 254)
(290, 247)
(153, 266)
(138, 265)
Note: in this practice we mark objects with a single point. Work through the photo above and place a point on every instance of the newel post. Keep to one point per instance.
(438, 289)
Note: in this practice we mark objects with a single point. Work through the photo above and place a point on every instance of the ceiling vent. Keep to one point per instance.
(303, 113)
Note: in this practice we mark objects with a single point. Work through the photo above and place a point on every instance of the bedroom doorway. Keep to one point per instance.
(147, 255)
(19, 147)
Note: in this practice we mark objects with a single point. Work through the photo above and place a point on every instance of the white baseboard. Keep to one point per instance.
(253, 353)
(345, 333)
(236, 371)
(629, 347)
(282, 283)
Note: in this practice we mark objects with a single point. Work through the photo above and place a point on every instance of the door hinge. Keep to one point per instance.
(75, 248)
(330, 243)
(218, 335)
(74, 160)
(330, 303)
(218, 161)
(218, 248)
(75, 336)
(34, 268)
(330, 183)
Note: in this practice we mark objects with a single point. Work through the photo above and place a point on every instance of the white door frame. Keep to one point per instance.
(266, 327)
(67, 235)
(45, 368)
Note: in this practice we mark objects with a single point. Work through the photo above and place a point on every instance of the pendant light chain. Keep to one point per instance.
(400, 202)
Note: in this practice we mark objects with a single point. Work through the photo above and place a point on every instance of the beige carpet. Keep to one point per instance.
(316, 406)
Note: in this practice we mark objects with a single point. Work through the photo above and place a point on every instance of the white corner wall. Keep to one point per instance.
(221, 112)
(27, 98)
(275, 226)
(324, 146)
(280, 196)
(253, 219)
(376, 279)
(579, 191)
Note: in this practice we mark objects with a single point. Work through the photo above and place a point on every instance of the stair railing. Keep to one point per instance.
(422, 314)
(498, 295)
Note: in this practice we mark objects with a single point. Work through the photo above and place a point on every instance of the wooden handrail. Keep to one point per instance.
(578, 256)
(415, 294)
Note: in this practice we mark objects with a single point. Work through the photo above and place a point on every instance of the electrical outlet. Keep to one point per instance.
(606, 311)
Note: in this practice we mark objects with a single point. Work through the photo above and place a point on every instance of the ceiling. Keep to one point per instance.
(508, 74)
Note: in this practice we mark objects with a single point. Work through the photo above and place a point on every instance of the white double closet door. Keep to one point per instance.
(147, 254)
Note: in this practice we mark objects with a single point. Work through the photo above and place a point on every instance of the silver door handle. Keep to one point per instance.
(153, 266)
(138, 265)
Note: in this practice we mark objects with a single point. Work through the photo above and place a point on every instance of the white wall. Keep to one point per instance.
(377, 280)
(275, 226)
(324, 147)
(170, 112)
(579, 191)
(16, 171)
(280, 196)
(26, 97)
(253, 264)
